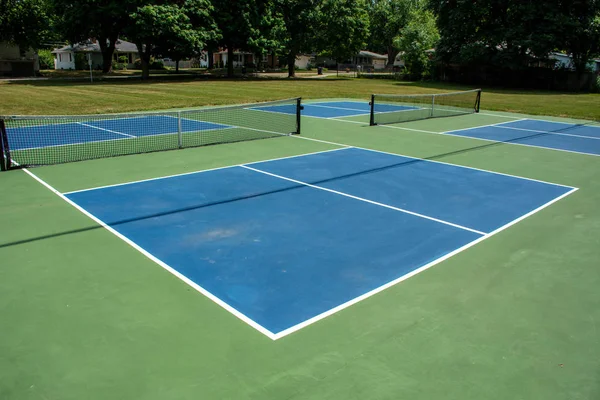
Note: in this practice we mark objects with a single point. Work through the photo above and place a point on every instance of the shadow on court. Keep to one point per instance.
(292, 186)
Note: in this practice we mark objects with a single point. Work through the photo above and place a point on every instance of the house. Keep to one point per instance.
(68, 57)
(15, 61)
(240, 58)
(563, 60)
(364, 58)
(399, 60)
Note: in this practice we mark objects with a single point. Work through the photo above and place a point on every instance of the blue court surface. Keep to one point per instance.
(547, 134)
(284, 242)
(102, 130)
(335, 109)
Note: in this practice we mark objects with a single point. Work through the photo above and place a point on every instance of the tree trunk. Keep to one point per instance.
(272, 60)
(107, 50)
(392, 53)
(176, 66)
(291, 64)
(211, 60)
(229, 62)
(145, 53)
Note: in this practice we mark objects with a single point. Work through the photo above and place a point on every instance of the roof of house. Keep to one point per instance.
(93, 47)
(365, 53)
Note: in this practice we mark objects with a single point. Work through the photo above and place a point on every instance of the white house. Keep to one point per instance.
(364, 58)
(565, 61)
(17, 62)
(64, 57)
(240, 58)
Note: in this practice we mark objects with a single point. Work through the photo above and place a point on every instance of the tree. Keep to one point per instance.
(419, 36)
(299, 26)
(580, 31)
(388, 18)
(239, 23)
(513, 34)
(171, 29)
(105, 20)
(345, 28)
(27, 23)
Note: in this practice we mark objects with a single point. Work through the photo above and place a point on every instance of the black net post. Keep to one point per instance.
(372, 116)
(478, 101)
(4, 150)
(299, 108)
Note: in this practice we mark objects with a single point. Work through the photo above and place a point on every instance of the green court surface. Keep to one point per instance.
(86, 316)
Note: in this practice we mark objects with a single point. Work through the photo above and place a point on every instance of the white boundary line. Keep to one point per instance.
(549, 133)
(312, 320)
(523, 144)
(347, 304)
(194, 285)
(449, 133)
(434, 161)
(201, 171)
(441, 221)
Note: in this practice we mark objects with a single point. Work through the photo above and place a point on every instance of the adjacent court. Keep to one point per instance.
(546, 134)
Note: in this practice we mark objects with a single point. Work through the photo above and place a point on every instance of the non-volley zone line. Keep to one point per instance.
(292, 209)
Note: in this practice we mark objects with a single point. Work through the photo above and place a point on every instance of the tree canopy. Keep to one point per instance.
(510, 34)
(345, 28)
(171, 30)
(513, 33)
(27, 23)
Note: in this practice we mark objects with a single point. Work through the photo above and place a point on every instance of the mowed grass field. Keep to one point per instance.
(66, 97)
(85, 316)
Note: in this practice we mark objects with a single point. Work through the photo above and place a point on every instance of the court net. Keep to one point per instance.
(42, 140)
(390, 109)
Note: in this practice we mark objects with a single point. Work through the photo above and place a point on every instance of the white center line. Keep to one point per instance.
(107, 130)
(365, 200)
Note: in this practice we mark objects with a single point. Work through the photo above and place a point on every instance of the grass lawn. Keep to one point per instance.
(54, 97)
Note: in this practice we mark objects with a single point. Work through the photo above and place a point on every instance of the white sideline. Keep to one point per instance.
(347, 304)
(131, 243)
(312, 320)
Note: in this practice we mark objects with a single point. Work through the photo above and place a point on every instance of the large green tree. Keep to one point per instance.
(176, 30)
(514, 33)
(242, 24)
(300, 23)
(580, 31)
(416, 40)
(27, 23)
(105, 20)
(344, 28)
(387, 19)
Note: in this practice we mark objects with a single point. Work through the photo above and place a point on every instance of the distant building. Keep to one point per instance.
(566, 61)
(364, 58)
(17, 62)
(64, 57)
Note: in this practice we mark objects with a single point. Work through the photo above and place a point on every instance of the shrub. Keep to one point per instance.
(157, 64)
(46, 59)
(81, 61)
